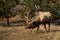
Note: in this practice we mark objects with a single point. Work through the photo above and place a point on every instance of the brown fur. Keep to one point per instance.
(43, 17)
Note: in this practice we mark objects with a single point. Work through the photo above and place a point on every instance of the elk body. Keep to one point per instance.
(40, 18)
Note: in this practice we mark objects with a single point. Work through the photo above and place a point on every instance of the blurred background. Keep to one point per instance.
(13, 12)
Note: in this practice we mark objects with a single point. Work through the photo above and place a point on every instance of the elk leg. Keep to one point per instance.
(49, 27)
(45, 26)
(37, 29)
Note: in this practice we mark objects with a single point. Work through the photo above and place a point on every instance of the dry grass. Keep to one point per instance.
(20, 33)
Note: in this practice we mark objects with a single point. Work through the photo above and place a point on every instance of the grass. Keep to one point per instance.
(20, 33)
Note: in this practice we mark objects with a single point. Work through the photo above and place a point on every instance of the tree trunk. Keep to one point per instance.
(7, 21)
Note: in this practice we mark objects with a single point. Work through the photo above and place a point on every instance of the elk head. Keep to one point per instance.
(32, 23)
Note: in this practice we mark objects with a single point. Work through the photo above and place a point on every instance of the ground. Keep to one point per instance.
(20, 33)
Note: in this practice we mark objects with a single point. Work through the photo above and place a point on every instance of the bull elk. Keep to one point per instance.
(41, 18)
